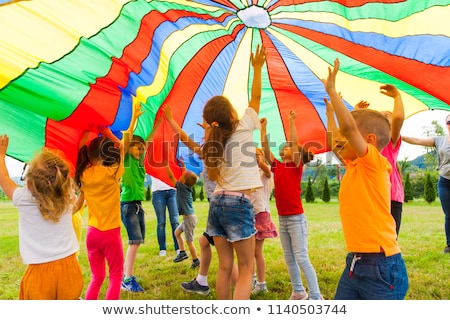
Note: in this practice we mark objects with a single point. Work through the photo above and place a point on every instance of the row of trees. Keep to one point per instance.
(419, 176)
(423, 185)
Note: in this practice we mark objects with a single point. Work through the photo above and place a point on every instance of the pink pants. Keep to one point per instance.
(104, 246)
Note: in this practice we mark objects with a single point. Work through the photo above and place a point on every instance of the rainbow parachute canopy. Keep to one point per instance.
(70, 66)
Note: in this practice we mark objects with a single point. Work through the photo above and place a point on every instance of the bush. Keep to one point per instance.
(326, 191)
(429, 192)
(408, 189)
(309, 196)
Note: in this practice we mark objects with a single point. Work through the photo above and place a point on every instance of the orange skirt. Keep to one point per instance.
(55, 280)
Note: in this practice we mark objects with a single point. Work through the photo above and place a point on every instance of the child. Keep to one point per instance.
(184, 187)
(224, 156)
(292, 220)
(263, 222)
(374, 265)
(98, 171)
(133, 192)
(47, 240)
(200, 283)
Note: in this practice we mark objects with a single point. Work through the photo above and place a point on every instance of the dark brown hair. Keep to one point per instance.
(222, 119)
(100, 148)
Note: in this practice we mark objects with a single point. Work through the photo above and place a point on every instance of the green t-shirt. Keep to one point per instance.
(133, 180)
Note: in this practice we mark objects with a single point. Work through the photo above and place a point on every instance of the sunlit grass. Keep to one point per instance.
(421, 238)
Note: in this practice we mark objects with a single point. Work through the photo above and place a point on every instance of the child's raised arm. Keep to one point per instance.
(154, 129)
(128, 134)
(183, 136)
(6, 183)
(257, 61)
(265, 141)
(347, 125)
(398, 113)
(106, 132)
(293, 139)
(333, 130)
(263, 166)
(170, 172)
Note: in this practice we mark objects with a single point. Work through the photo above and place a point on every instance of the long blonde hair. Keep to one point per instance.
(48, 179)
(222, 121)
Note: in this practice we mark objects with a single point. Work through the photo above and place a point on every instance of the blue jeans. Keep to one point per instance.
(160, 200)
(374, 277)
(294, 241)
(444, 197)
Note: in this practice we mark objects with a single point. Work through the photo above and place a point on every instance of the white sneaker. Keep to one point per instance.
(254, 281)
(259, 288)
(162, 253)
(299, 296)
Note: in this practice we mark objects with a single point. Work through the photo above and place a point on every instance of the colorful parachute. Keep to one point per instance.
(67, 66)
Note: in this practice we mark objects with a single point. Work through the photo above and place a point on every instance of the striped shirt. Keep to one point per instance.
(240, 170)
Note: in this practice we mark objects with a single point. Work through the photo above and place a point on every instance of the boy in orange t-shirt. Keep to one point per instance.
(375, 269)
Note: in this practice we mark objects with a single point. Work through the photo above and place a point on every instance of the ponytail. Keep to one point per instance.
(222, 122)
(82, 163)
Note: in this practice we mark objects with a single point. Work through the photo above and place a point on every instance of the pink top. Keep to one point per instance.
(391, 154)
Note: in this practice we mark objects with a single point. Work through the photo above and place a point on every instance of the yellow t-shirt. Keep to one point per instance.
(101, 187)
(365, 210)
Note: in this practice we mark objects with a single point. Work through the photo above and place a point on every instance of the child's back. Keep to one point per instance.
(48, 244)
(99, 168)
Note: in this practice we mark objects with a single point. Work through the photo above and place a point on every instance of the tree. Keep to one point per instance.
(148, 195)
(326, 191)
(403, 165)
(202, 194)
(430, 156)
(429, 192)
(408, 189)
(309, 196)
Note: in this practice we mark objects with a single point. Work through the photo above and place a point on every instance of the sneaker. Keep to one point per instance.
(447, 249)
(320, 298)
(181, 256)
(131, 285)
(299, 296)
(195, 263)
(259, 288)
(162, 253)
(194, 287)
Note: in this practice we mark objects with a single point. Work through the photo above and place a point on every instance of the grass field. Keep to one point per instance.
(421, 238)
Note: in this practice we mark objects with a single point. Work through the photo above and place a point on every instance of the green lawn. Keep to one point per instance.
(421, 238)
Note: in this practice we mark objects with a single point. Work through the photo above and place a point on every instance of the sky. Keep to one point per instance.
(413, 126)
